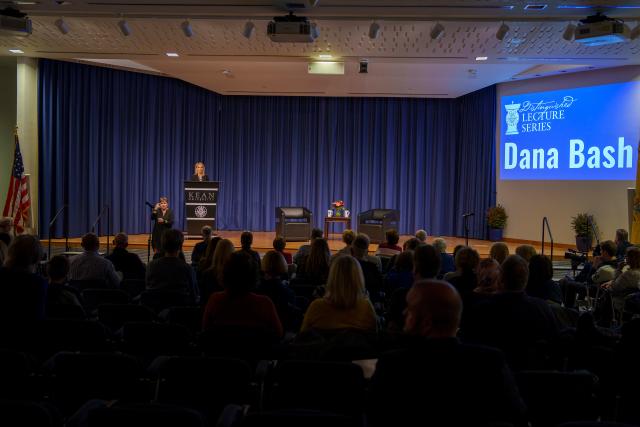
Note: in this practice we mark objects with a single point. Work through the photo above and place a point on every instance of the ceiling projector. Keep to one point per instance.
(14, 23)
(598, 30)
(292, 29)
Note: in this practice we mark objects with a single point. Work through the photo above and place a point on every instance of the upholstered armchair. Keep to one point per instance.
(293, 223)
(375, 223)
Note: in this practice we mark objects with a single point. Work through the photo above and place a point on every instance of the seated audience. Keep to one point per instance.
(372, 275)
(6, 224)
(59, 291)
(315, 268)
(304, 250)
(390, 247)
(465, 281)
(499, 251)
(210, 279)
(237, 305)
(511, 320)
(628, 281)
(411, 244)
(128, 263)
(622, 243)
(421, 235)
(89, 265)
(345, 304)
(488, 277)
(246, 240)
(206, 259)
(426, 262)
(23, 291)
(170, 273)
(401, 274)
(526, 252)
(450, 383)
(201, 247)
(347, 238)
(279, 244)
(447, 263)
(540, 283)
(273, 285)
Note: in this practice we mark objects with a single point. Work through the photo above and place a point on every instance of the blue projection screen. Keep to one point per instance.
(588, 133)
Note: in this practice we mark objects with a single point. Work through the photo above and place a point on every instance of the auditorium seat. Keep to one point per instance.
(241, 342)
(65, 311)
(375, 223)
(113, 316)
(159, 300)
(133, 287)
(296, 418)
(26, 414)
(188, 316)
(143, 415)
(92, 298)
(148, 340)
(81, 285)
(16, 376)
(49, 337)
(293, 223)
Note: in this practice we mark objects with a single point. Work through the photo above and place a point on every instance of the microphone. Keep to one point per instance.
(468, 214)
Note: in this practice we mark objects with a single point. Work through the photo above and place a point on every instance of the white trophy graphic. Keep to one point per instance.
(512, 118)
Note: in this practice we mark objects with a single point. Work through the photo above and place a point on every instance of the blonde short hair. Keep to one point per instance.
(274, 264)
(345, 285)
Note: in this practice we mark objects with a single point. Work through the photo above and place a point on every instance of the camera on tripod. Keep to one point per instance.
(576, 257)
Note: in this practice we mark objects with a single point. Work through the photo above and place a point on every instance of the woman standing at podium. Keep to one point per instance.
(198, 173)
(163, 220)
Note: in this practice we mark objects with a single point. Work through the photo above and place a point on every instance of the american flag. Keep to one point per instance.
(18, 202)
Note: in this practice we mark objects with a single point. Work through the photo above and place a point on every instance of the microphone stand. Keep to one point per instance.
(466, 228)
(98, 221)
(55, 217)
(150, 233)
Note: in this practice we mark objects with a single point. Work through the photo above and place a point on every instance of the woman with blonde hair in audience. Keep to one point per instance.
(345, 304)
(212, 276)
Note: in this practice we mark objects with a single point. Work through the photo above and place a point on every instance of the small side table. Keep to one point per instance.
(332, 220)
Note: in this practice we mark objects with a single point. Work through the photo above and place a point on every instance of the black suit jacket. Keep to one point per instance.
(128, 263)
(443, 382)
(194, 177)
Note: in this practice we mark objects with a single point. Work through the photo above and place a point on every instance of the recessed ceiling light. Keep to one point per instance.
(325, 56)
(15, 51)
(535, 7)
(172, 54)
(481, 58)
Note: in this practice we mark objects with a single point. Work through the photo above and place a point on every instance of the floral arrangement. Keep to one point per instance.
(338, 208)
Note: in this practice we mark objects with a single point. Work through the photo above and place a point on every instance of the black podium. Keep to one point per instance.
(201, 202)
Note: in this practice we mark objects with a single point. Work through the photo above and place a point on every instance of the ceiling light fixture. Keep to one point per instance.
(172, 54)
(15, 51)
(187, 29)
(325, 56)
(481, 58)
(124, 28)
(62, 26)
(437, 32)
(374, 30)
(635, 33)
(569, 32)
(249, 29)
(502, 31)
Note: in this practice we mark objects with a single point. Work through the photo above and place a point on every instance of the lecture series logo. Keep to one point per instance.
(536, 115)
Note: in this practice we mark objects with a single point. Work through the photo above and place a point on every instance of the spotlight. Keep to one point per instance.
(569, 32)
(62, 26)
(374, 31)
(502, 31)
(249, 29)
(635, 33)
(437, 32)
(124, 28)
(187, 29)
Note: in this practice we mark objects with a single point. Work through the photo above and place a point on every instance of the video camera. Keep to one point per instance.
(576, 257)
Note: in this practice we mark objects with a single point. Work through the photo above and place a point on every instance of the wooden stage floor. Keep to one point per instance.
(263, 240)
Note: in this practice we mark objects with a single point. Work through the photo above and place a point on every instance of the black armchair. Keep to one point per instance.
(293, 223)
(375, 223)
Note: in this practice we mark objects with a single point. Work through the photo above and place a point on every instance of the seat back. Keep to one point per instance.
(292, 212)
(52, 336)
(114, 316)
(158, 300)
(65, 311)
(241, 342)
(92, 298)
(144, 415)
(188, 316)
(29, 414)
(149, 340)
(81, 285)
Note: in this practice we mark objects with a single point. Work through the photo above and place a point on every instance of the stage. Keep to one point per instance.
(263, 242)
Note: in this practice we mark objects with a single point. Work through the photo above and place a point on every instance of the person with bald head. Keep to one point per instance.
(437, 379)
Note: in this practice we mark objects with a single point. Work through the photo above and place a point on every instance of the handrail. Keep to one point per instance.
(51, 223)
(545, 222)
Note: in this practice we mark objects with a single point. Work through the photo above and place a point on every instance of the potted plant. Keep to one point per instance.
(497, 221)
(584, 226)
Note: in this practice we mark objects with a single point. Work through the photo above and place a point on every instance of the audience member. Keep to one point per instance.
(128, 263)
(89, 265)
(246, 240)
(628, 281)
(345, 304)
(513, 321)
(540, 283)
(6, 224)
(315, 268)
(622, 243)
(211, 280)
(401, 274)
(206, 260)
(372, 275)
(3, 252)
(426, 262)
(488, 277)
(447, 263)
(274, 285)
(200, 248)
(465, 281)
(304, 250)
(237, 305)
(23, 291)
(411, 244)
(170, 273)
(499, 251)
(526, 252)
(59, 291)
(390, 247)
(347, 238)
(451, 383)
(421, 235)
(279, 244)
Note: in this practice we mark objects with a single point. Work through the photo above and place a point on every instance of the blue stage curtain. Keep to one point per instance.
(120, 138)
